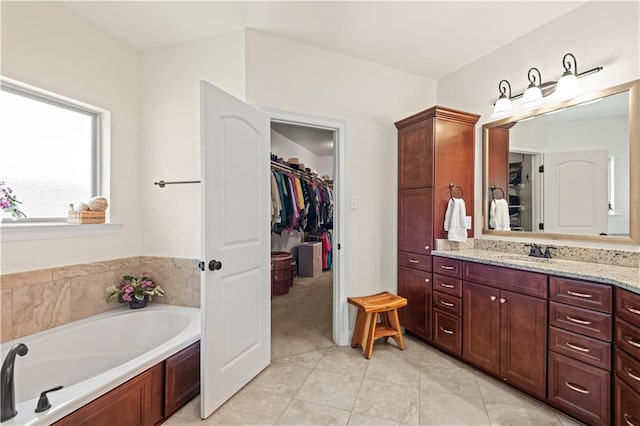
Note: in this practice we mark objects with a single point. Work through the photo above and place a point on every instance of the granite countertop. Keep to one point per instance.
(621, 276)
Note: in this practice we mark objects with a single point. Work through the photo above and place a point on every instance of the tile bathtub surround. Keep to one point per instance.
(37, 300)
(580, 254)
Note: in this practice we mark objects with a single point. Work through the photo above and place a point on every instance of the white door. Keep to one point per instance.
(235, 299)
(575, 192)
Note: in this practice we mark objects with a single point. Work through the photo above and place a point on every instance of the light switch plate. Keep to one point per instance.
(467, 221)
(355, 203)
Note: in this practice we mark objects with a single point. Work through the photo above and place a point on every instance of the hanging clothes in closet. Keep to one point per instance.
(299, 202)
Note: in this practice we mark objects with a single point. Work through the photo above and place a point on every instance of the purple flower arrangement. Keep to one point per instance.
(130, 288)
(9, 202)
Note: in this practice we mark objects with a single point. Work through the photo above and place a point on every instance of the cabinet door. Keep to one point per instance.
(182, 371)
(481, 326)
(415, 216)
(130, 404)
(415, 155)
(523, 342)
(415, 286)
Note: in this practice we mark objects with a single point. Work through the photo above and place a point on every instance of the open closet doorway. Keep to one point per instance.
(308, 308)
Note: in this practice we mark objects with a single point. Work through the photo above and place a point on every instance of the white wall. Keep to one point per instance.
(325, 166)
(46, 46)
(291, 76)
(598, 34)
(171, 135)
(286, 148)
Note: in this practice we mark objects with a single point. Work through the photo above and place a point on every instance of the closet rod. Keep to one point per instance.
(162, 183)
(304, 174)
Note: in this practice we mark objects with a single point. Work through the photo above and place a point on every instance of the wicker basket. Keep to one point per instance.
(85, 217)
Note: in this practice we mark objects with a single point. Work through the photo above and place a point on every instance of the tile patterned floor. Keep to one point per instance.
(313, 382)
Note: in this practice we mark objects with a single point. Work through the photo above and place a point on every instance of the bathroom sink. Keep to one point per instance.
(519, 258)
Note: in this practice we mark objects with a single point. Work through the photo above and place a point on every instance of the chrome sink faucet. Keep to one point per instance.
(7, 388)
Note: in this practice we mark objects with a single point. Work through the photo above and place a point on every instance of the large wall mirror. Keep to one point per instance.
(566, 171)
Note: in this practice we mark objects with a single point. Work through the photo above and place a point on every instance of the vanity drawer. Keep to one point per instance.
(523, 282)
(628, 306)
(414, 261)
(581, 293)
(627, 411)
(586, 349)
(447, 332)
(580, 389)
(628, 338)
(446, 266)
(447, 303)
(447, 285)
(628, 369)
(579, 320)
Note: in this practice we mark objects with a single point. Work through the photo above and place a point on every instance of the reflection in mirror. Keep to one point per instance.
(565, 171)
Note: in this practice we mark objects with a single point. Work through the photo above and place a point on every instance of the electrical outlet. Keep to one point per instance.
(467, 221)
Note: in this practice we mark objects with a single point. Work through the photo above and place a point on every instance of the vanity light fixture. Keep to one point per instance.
(567, 86)
(533, 95)
(503, 104)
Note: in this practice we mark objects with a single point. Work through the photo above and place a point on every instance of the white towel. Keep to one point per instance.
(454, 220)
(499, 215)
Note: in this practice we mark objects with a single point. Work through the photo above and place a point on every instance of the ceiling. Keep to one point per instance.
(427, 38)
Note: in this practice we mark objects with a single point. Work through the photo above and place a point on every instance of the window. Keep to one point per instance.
(49, 150)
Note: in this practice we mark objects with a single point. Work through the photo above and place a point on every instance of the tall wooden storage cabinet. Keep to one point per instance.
(435, 149)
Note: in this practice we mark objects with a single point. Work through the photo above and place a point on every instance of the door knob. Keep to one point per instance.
(215, 265)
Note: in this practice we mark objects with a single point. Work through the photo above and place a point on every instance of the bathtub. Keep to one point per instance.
(94, 355)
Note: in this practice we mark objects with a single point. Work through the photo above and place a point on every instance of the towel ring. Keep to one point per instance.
(453, 186)
(493, 191)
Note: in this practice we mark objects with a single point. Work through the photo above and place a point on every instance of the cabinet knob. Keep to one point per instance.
(502, 300)
(426, 280)
(427, 247)
(493, 298)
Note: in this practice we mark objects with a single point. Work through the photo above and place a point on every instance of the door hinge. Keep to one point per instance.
(541, 169)
(338, 246)
(541, 226)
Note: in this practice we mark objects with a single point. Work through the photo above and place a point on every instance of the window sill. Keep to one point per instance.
(51, 230)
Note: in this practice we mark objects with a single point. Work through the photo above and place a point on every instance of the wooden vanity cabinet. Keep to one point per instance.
(435, 148)
(505, 332)
(415, 286)
(580, 329)
(148, 398)
(627, 359)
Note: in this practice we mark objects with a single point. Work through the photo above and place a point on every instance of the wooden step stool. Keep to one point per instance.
(367, 329)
